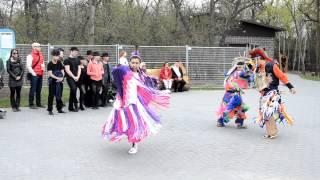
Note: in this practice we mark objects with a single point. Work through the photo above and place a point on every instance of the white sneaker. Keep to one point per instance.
(110, 100)
(133, 150)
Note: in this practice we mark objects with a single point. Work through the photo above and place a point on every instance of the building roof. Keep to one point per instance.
(245, 21)
(277, 29)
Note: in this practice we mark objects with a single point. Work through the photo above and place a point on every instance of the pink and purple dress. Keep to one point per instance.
(134, 111)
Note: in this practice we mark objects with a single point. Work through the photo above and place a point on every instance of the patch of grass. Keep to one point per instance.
(5, 97)
(308, 76)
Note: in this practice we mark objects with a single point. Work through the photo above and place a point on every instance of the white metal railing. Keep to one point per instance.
(202, 63)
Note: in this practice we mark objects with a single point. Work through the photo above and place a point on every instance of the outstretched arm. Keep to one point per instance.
(283, 78)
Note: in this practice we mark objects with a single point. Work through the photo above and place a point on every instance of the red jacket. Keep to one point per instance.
(165, 73)
(37, 56)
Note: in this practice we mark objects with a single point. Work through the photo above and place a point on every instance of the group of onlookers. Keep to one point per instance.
(91, 75)
(172, 77)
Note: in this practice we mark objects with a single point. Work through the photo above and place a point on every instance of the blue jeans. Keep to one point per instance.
(35, 88)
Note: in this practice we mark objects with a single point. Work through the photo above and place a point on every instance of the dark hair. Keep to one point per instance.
(74, 49)
(135, 57)
(165, 63)
(105, 54)
(81, 58)
(89, 52)
(60, 49)
(96, 53)
(12, 50)
(55, 52)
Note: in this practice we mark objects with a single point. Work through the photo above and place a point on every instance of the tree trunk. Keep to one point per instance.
(295, 55)
(11, 11)
(303, 57)
(299, 53)
(318, 37)
(212, 24)
(183, 19)
(288, 53)
(32, 19)
(92, 6)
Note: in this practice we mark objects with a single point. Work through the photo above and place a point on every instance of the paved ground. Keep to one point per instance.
(35, 146)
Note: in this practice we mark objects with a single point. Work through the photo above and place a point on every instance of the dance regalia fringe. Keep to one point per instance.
(133, 114)
(272, 108)
(232, 104)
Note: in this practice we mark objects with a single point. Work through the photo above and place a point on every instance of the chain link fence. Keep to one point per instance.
(206, 66)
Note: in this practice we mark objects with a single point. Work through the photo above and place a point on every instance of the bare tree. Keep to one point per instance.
(92, 13)
(177, 4)
(11, 10)
(32, 16)
(318, 37)
(213, 22)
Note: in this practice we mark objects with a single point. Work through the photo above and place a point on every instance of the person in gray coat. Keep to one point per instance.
(15, 70)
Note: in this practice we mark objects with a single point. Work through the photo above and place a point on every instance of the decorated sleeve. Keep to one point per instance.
(282, 77)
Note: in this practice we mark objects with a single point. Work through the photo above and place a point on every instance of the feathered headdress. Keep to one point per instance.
(259, 52)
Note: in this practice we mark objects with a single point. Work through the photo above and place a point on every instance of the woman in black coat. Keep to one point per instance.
(15, 69)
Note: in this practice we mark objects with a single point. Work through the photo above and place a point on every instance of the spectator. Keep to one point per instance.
(86, 79)
(83, 84)
(89, 55)
(177, 76)
(107, 79)
(166, 76)
(2, 70)
(55, 73)
(15, 70)
(123, 60)
(61, 56)
(73, 72)
(95, 71)
(35, 66)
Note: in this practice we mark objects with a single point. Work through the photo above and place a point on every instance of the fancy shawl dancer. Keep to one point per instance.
(232, 104)
(133, 114)
(271, 108)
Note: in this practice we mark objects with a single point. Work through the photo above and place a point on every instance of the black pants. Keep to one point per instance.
(178, 85)
(52, 94)
(35, 88)
(95, 87)
(104, 95)
(83, 93)
(86, 84)
(15, 93)
(73, 102)
(61, 87)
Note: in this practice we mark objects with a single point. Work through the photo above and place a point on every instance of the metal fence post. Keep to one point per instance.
(117, 55)
(187, 59)
(48, 52)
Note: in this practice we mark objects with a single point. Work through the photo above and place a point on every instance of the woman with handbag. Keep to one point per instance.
(15, 70)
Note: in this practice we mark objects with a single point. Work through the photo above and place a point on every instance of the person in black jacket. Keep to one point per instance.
(55, 77)
(15, 70)
(177, 76)
(107, 80)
